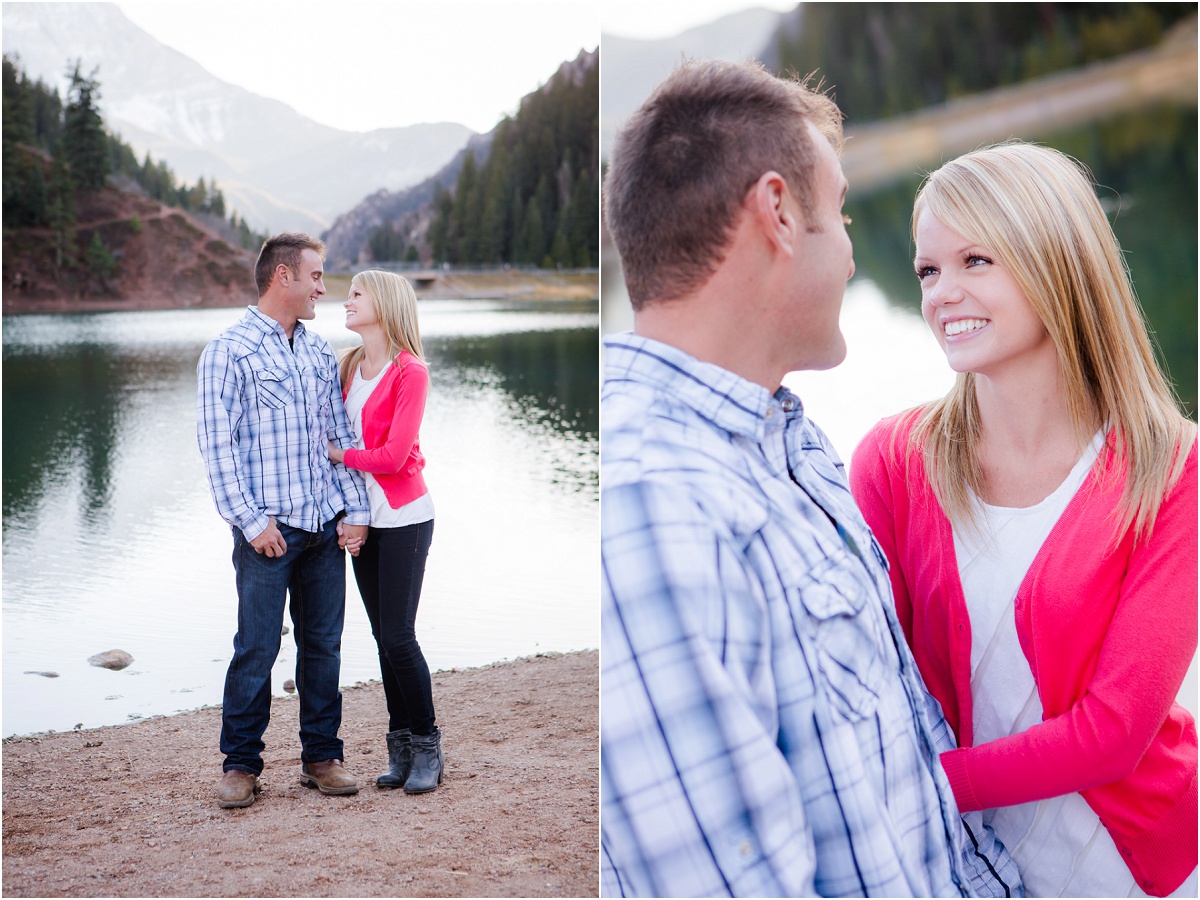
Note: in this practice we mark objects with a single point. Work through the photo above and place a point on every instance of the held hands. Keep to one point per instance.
(351, 537)
(336, 453)
(270, 542)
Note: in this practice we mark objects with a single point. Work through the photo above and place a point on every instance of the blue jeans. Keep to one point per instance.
(314, 572)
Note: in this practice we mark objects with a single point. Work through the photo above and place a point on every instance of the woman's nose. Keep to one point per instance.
(944, 291)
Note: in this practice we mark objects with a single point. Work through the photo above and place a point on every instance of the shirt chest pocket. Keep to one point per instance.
(845, 638)
(318, 389)
(273, 387)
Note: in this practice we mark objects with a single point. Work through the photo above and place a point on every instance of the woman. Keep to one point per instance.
(1040, 522)
(384, 384)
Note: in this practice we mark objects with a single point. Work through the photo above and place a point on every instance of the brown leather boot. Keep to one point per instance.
(236, 789)
(329, 776)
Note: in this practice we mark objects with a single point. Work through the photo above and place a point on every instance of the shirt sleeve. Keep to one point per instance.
(1139, 669)
(390, 457)
(219, 408)
(350, 483)
(698, 799)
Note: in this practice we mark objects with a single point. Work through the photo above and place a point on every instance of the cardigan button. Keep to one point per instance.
(1125, 851)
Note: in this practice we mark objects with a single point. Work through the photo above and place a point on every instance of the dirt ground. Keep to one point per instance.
(130, 810)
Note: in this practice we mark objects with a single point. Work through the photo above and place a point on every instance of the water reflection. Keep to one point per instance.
(111, 539)
(1146, 165)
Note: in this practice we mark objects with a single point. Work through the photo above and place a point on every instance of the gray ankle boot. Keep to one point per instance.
(427, 763)
(399, 759)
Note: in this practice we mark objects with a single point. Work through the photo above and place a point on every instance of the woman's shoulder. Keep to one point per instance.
(405, 360)
(890, 437)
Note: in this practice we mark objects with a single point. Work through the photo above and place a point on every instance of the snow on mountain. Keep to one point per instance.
(279, 169)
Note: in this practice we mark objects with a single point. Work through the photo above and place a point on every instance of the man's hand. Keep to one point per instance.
(270, 542)
(351, 537)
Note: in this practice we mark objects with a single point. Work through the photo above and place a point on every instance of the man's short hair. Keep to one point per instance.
(287, 249)
(682, 165)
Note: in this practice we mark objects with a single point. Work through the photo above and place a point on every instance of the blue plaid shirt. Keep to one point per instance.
(764, 730)
(265, 413)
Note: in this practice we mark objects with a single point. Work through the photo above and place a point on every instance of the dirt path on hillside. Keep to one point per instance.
(129, 810)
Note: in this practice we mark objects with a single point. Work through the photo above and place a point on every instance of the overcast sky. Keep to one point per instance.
(648, 19)
(346, 64)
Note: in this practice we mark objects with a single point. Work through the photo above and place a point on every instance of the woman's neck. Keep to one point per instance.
(375, 352)
(1029, 441)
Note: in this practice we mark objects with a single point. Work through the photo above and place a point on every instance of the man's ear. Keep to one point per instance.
(774, 211)
(284, 274)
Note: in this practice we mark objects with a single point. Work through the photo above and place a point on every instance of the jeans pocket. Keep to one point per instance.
(274, 387)
(846, 638)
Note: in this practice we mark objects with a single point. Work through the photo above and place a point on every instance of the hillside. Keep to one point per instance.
(279, 169)
(526, 192)
(166, 259)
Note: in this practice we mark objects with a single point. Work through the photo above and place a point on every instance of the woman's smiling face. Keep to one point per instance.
(360, 308)
(973, 305)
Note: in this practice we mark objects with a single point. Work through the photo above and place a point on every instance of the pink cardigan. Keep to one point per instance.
(1108, 634)
(391, 419)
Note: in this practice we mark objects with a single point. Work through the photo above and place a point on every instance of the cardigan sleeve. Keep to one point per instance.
(1142, 662)
(871, 484)
(389, 458)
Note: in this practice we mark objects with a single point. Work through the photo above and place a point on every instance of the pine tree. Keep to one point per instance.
(60, 212)
(84, 141)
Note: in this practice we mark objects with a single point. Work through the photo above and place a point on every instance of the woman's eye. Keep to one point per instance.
(973, 261)
(922, 271)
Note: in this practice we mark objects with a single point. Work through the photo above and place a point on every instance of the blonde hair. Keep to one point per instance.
(1036, 209)
(396, 311)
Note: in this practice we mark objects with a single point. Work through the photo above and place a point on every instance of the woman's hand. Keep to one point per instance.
(336, 454)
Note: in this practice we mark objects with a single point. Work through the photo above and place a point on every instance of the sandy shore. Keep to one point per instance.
(129, 810)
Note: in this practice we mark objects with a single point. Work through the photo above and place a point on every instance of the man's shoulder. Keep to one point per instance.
(646, 430)
(673, 457)
(239, 340)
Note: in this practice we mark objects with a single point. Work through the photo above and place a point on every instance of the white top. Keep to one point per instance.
(382, 514)
(1059, 844)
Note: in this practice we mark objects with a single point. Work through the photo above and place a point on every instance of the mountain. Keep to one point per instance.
(632, 67)
(280, 170)
(560, 151)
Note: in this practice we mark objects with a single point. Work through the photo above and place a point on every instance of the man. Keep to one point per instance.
(763, 727)
(269, 401)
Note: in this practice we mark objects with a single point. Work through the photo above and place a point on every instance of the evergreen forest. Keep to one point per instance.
(535, 199)
(883, 59)
(53, 151)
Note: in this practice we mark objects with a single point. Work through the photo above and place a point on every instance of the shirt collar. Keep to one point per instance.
(728, 400)
(270, 326)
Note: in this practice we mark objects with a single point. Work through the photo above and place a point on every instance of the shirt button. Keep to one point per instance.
(770, 411)
(787, 404)
(745, 848)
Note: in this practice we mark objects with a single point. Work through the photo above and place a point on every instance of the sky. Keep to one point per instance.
(650, 19)
(452, 61)
(429, 51)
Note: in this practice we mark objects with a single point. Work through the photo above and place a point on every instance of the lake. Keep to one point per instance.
(111, 539)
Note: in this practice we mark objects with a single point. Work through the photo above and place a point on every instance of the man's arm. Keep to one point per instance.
(698, 800)
(219, 407)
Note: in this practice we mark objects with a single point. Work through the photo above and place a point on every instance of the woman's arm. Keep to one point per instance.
(870, 483)
(389, 458)
(1142, 662)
